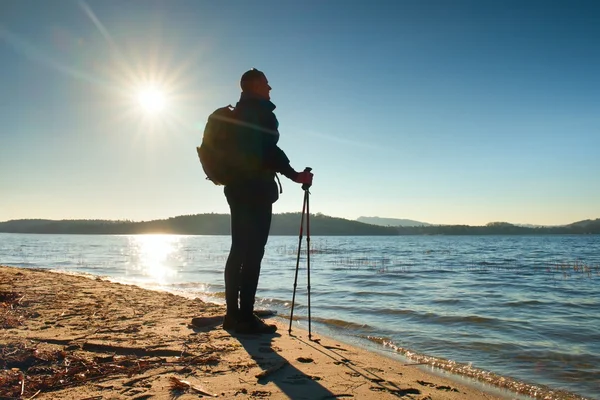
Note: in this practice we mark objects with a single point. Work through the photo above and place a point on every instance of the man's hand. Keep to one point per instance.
(305, 178)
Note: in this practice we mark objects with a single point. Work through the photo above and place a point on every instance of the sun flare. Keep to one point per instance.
(151, 99)
(156, 256)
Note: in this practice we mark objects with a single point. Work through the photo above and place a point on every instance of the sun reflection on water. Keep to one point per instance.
(156, 256)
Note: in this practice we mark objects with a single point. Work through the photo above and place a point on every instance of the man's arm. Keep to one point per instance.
(281, 163)
(273, 156)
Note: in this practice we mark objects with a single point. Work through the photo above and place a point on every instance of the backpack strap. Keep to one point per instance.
(279, 183)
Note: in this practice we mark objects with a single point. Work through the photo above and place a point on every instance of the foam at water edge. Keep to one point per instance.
(467, 370)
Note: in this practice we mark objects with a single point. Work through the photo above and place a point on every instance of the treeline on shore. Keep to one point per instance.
(200, 224)
(283, 224)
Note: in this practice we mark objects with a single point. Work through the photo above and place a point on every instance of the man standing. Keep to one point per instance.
(251, 199)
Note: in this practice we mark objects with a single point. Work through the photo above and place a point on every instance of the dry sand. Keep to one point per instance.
(75, 337)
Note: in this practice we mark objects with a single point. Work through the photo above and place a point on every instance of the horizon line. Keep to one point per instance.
(297, 212)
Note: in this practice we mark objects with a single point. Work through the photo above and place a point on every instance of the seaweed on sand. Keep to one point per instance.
(11, 315)
(27, 370)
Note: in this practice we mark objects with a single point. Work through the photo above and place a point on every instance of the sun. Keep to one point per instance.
(151, 99)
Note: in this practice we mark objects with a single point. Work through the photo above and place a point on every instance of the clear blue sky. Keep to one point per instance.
(439, 111)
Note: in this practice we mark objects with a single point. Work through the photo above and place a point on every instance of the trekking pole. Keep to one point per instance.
(307, 195)
(305, 187)
(297, 260)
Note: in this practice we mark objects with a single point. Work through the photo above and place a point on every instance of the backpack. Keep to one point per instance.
(218, 150)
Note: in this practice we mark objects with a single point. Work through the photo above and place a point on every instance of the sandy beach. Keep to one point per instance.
(75, 337)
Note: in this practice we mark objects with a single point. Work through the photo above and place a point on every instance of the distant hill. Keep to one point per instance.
(199, 224)
(282, 224)
(391, 221)
(586, 223)
(504, 228)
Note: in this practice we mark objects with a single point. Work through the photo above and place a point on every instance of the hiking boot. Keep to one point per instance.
(229, 322)
(255, 325)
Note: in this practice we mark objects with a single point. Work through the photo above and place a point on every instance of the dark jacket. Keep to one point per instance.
(257, 137)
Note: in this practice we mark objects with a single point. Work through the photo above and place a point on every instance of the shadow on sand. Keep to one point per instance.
(275, 368)
(380, 384)
(279, 370)
(289, 379)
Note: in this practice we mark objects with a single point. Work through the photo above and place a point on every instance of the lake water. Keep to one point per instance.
(526, 307)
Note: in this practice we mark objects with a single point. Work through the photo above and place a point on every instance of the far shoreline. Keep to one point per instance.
(312, 235)
(283, 224)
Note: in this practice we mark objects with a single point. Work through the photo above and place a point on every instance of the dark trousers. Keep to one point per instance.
(250, 225)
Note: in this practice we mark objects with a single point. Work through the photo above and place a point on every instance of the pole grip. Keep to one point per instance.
(306, 186)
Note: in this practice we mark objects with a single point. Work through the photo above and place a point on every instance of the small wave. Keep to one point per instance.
(281, 303)
(438, 270)
(447, 301)
(191, 285)
(25, 264)
(79, 273)
(376, 339)
(340, 308)
(338, 323)
(403, 274)
(442, 319)
(61, 263)
(362, 282)
(581, 360)
(395, 311)
(378, 294)
(476, 319)
(334, 322)
(492, 347)
(523, 303)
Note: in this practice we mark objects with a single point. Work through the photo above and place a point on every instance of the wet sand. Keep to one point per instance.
(75, 337)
